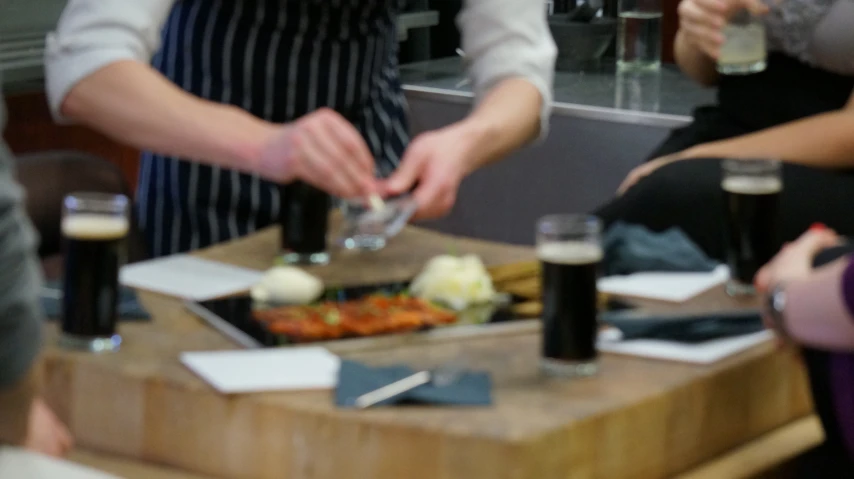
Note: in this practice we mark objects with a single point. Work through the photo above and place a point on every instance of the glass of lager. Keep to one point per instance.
(751, 197)
(570, 252)
(743, 51)
(94, 234)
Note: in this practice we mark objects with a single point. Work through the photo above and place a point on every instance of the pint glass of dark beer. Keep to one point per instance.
(94, 234)
(570, 252)
(304, 218)
(752, 196)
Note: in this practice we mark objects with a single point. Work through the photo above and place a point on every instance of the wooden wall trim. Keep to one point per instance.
(32, 129)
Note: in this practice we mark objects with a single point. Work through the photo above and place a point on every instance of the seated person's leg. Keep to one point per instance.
(687, 194)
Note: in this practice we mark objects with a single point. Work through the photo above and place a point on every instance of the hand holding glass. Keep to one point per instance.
(743, 51)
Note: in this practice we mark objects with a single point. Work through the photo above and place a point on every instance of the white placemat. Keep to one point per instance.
(189, 277)
(664, 286)
(276, 369)
(700, 353)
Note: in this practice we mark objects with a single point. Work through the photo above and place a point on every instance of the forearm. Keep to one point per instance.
(15, 403)
(821, 141)
(133, 104)
(507, 118)
(817, 313)
(694, 63)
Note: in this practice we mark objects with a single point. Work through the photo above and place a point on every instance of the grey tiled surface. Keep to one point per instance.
(668, 92)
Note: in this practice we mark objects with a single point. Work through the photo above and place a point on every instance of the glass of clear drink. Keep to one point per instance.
(744, 51)
(751, 196)
(570, 252)
(94, 235)
(638, 91)
(639, 35)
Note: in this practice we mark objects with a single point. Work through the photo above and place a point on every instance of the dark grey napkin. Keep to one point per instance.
(129, 308)
(693, 328)
(355, 379)
(633, 248)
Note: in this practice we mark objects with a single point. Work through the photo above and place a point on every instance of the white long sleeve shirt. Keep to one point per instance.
(501, 39)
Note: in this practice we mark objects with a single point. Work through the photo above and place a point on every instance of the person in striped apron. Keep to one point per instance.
(283, 90)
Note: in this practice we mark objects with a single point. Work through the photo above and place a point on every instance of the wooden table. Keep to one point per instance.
(637, 419)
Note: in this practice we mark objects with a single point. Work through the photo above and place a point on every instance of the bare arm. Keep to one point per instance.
(98, 74)
(817, 313)
(510, 58)
(507, 118)
(132, 103)
(823, 141)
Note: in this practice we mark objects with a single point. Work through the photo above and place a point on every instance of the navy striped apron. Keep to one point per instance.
(278, 59)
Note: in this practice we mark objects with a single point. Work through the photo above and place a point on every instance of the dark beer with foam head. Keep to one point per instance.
(94, 248)
(570, 271)
(570, 256)
(751, 199)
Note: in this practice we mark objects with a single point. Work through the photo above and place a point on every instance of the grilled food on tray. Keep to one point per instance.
(369, 316)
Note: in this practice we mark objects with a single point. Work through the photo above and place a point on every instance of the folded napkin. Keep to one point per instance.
(633, 248)
(693, 328)
(355, 379)
(129, 308)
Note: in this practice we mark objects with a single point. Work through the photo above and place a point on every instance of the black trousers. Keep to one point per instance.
(687, 193)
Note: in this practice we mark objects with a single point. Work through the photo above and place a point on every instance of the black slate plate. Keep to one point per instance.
(233, 316)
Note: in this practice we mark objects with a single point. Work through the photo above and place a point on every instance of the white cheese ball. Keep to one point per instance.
(287, 285)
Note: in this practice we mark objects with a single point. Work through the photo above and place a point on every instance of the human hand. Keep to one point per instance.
(324, 150)
(795, 260)
(437, 161)
(701, 22)
(645, 170)
(45, 433)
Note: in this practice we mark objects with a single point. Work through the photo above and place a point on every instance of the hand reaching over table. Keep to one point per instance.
(323, 149)
(435, 163)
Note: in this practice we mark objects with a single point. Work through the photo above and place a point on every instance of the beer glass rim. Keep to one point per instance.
(96, 202)
(751, 166)
(558, 224)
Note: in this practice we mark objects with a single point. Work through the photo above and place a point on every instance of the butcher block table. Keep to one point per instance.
(638, 418)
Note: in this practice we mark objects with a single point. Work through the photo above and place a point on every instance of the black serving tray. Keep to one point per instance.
(233, 316)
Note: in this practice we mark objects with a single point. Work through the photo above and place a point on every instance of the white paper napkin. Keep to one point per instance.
(21, 464)
(189, 277)
(664, 286)
(277, 369)
(699, 353)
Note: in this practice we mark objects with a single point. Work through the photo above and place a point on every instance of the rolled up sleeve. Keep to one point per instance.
(92, 34)
(509, 39)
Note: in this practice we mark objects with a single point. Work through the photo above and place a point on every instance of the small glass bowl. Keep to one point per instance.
(369, 230)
